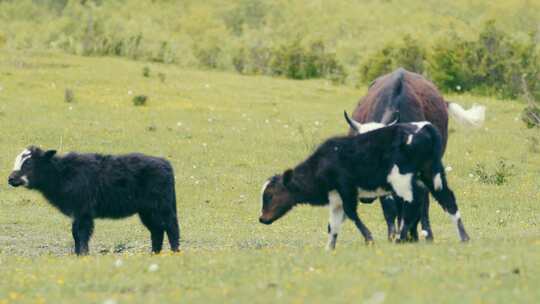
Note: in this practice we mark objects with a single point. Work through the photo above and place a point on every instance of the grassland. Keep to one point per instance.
(225, 134)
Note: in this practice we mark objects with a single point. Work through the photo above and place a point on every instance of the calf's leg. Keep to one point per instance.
(173, 232)
(82, 229)
(156, 230)
(337, 216)
(409, 222)
(424, 215)
(390, 213)
(350, 202)
(447, 200)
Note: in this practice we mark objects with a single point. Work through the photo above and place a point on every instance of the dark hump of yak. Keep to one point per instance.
(405, 96)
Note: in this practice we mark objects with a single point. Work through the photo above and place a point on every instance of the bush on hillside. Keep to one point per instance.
(295, 61)
(493, 64)
(408, 54)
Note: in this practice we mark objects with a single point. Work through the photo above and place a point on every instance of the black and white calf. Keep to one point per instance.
(400, 159)
(89, 186)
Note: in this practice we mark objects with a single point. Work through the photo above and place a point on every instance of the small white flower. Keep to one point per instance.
(471, 175)
(285, 126)
(458, 87)
(153, 267)
(448, 169)
(267, 121)
(118, 263)
(497, 211)
(244, 114)
(207, 85)
(179, 124)
(196, 182)
(194, 167)
(311, 269)
(204, 144)
(210, 120)
(70, 108)
(317, 123)
(130, 92)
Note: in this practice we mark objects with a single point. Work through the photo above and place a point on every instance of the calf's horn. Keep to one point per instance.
(353, 123)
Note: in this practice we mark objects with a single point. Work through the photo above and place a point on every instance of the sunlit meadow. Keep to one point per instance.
(225, 134)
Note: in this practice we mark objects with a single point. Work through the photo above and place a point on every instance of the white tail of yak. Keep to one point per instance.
(473, 117)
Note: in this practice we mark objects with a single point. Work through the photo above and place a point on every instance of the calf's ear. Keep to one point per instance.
(287, 177)
(49, 154)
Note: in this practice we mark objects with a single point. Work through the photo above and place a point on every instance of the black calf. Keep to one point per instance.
(89, 186)
(401, 160)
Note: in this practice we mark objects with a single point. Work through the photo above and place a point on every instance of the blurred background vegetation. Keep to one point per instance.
(489, 47)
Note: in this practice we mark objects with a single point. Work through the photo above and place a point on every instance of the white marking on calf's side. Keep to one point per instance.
(25, 180)
(21, 158)
(401, 183)
(437, 182)
(424, 233)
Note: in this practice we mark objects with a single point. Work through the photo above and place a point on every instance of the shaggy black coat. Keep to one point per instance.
(89, 186)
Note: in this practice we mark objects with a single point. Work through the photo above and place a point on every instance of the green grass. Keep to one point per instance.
(225, 134)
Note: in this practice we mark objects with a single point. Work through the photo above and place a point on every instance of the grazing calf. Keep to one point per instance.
(89, 186)
(400, 160)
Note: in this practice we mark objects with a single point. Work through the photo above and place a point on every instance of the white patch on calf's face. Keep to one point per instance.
(401, 183)
(420, 124)
(437, 182)
(25, 180)
(262, 192)
(21, 158)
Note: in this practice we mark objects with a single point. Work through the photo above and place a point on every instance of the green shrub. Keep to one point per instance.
(495, 63)
(449, 64)
(140, 100)
(146, 71)
(292, 60)
(250, 13)
(69, 96)
(408, 54)
(162, 76)
(500, 175)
